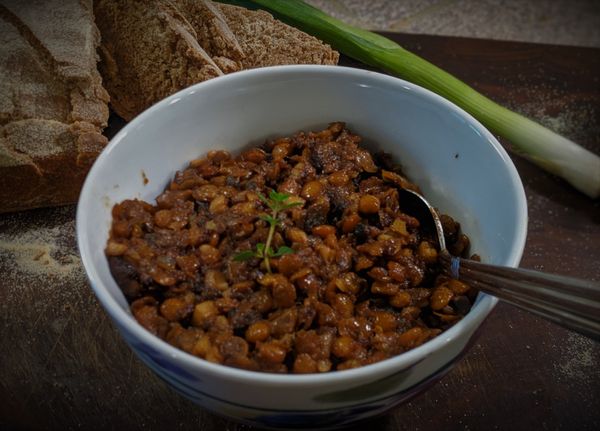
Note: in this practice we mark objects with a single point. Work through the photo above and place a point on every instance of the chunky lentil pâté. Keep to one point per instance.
(363, 282)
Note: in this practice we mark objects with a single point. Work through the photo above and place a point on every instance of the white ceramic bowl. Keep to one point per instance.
(459, 165)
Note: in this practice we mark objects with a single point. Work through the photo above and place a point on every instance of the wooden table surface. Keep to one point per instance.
(63, 365)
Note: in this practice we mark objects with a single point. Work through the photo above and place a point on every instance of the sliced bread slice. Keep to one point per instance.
(153, 48)
(213, 33)
(149, 50)
(269, 42)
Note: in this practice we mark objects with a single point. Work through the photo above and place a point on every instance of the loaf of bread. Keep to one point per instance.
(52, 103)
(153, 48)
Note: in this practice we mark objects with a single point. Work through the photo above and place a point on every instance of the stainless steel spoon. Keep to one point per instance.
(570, 302)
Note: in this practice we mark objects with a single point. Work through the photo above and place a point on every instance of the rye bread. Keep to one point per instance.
(148, 51)
(52, 103)
(151, 49)
(266, 41)
(213, 33)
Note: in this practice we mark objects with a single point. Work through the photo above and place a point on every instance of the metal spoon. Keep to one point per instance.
(570, 302)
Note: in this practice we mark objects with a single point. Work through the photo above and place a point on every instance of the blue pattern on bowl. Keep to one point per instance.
(370, 389)
(188, 385)
(163, 363)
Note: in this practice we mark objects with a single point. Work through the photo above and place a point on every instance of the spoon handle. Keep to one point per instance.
(570, 302)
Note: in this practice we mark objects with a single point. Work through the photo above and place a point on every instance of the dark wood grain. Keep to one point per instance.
(63, 366)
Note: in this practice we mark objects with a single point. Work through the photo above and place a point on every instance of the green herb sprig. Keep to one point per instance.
(277, 202)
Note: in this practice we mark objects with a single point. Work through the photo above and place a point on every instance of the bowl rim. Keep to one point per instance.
(124, 318)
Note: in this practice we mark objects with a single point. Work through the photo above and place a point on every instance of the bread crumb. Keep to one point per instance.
(579, 359)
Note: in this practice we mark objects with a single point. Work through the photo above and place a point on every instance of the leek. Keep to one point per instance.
(545, 148)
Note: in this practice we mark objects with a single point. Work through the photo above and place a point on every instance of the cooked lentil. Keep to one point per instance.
(362, 285)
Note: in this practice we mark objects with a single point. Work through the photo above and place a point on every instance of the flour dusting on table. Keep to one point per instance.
(45, 253)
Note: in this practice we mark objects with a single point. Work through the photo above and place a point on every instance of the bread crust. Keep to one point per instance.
(52, 102)
(45, 175)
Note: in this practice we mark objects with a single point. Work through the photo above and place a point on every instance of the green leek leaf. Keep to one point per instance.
(547, 149)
